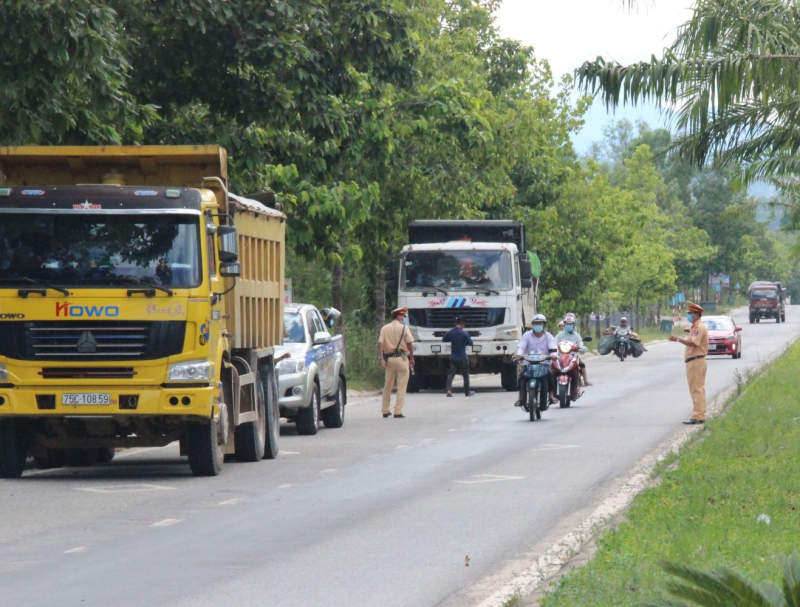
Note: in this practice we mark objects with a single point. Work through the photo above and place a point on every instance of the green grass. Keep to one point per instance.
(364, 370)
(704, 512)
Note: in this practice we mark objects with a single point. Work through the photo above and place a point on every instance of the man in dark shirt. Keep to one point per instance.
(458, 339)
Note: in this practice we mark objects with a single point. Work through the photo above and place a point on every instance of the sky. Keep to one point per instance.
(569, 32)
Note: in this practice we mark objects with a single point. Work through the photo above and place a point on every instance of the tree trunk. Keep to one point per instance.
(380, 297)
(608, 312)
(337, 286)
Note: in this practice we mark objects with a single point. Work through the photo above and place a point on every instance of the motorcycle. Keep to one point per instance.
(566, 368)
(622, 347)
(536, 375)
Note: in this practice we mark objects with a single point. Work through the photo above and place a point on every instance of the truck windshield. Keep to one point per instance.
(764, 294)
(457, 270)
(100, 250)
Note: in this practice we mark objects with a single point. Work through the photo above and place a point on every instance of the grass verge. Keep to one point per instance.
(364, 370)
(707, 512)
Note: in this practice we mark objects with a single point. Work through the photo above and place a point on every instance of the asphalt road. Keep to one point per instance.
(380, 512)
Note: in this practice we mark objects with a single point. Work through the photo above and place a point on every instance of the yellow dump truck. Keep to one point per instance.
(139, 305)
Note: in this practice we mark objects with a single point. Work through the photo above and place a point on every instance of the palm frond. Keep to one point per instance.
(791, 580)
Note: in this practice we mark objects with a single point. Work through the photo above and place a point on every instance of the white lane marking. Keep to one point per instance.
(472, 421)
(282, 452)
(286, 486)
(328, 470)
(490, 478)
(130, 488)
(77, 550)
(555, 447)
(453, 430)
(167, 522)
(401, 447)
(231, 502)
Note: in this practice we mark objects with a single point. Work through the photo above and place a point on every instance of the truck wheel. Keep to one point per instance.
(435, 382)
(308, 417)
(416, 381)
(104, 456)
(53, 458)
(752, 319)
(271, 409)
(249, 438)
(13, 449)
(81, 458)
(206, 451)
(509, 379)
(333, 417)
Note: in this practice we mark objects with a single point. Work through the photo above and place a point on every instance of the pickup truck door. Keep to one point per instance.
(322, 353)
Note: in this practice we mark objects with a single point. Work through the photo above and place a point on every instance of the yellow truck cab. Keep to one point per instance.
(140, 302)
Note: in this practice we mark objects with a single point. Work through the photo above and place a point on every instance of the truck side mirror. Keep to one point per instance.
(230, 269)
(525, 272)
(527, 283)
(228, 244)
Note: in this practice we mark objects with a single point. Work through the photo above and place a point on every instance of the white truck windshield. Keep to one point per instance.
(457, 270)
(100, 250)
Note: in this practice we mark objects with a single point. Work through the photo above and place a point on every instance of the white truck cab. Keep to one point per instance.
(475, 270)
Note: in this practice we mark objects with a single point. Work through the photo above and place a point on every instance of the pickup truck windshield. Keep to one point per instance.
(457, 270)
(293, 330)
(100, 250)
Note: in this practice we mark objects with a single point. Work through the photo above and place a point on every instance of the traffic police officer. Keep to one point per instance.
(397, 357)
(695, 356)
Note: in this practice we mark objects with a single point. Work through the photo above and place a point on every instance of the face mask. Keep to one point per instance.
(570, 328)
(405, 320)
(538, 328)
(690, 317)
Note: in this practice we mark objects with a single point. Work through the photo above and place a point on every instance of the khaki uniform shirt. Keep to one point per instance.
(698, 335)
(390, 337)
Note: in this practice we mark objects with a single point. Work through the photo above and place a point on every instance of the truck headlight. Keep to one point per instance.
(287, 366)
(196, 370)
(3, 373)
(512, 333)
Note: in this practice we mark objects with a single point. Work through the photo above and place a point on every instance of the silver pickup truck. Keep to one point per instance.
(311, 382)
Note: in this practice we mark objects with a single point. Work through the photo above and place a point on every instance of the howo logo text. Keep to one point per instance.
(68, 309)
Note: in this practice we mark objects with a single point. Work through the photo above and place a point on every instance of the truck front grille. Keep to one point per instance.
(445, 318)
(91, 341)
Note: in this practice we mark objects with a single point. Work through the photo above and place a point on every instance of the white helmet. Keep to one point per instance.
(539, 318)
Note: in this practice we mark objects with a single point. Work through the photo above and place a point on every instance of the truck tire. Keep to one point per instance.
(53, 458)
(435, 382)
(416, 381)
(509, 378)
(206, 453)
(81, 458)
(13, 449)
(333, 417)
(271, 409)
(308, 417)
(249, 438)
(752, 319)
(104, 456)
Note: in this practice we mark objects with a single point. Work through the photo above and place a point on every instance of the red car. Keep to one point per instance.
(724, 337)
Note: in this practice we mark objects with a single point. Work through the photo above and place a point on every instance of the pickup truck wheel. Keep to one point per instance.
(13, 449)
(333, 417)
(308, 417)
(206, 452)
(272, 414)
(249, 438)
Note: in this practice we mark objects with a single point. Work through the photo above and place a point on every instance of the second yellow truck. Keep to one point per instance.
(140, 303)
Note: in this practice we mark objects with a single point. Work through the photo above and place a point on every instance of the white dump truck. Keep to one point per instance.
(478, 270)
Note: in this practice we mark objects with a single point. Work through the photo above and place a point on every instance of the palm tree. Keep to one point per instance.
(733, 78)
(726, 588)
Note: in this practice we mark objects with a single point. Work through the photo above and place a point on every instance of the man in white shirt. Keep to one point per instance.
(537, 340)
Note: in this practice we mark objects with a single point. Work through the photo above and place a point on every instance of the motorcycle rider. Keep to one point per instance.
(537, 340)
(571, 334)
(622, 330)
